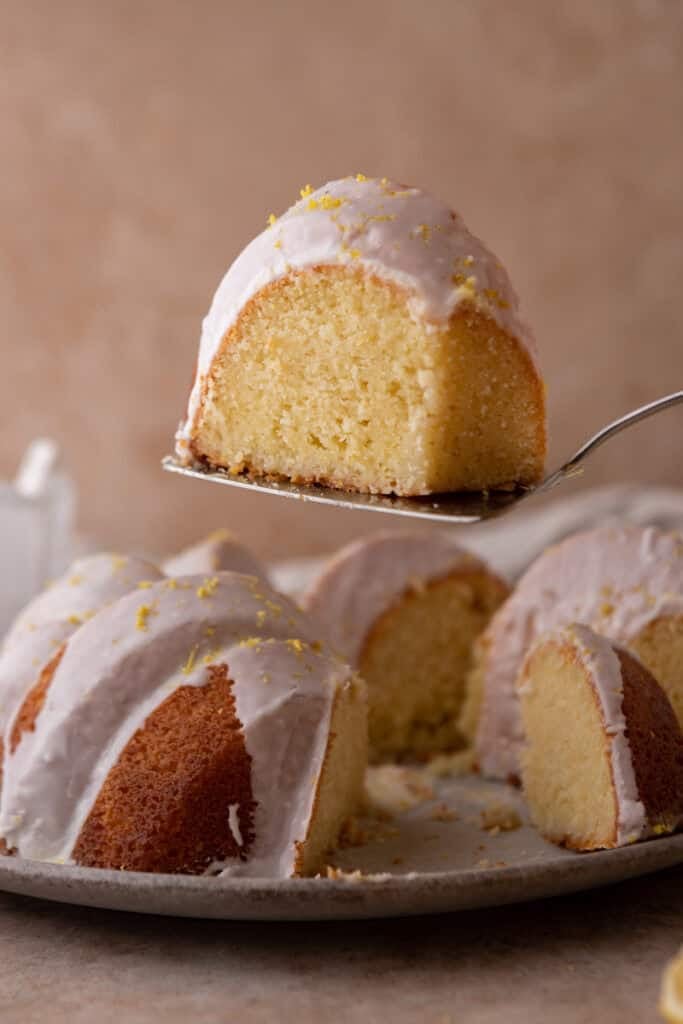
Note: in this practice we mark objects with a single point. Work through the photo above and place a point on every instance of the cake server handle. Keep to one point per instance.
(573, 465)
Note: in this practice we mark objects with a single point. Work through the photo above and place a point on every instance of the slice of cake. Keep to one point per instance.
(625, 582)
(366, 340)
(405, 608)
(196, 726)
(602, 763)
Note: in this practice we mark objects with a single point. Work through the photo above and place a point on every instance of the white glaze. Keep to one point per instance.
(603, 668)
(399, 234)
(87, 585)
(55, 614)
(615, 579)
(120, 665)
(367, 577)
(219, 552)
(286, 732)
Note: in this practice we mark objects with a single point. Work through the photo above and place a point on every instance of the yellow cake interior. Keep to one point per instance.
(327, 377)
(340, 787)
(415, 662)
(470, 710)
(566, 770)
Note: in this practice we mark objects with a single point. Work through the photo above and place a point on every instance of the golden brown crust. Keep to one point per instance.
(187, 765)
(659, 647)
(465, 312)
(25, 720)
(474, 317)
(656, 742)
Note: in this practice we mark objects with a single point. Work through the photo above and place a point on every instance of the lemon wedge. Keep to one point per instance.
(671, 998)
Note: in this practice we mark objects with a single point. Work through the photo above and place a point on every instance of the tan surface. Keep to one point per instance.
(595, 957)
(143, 144)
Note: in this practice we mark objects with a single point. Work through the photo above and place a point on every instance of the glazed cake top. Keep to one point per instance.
(616, 579)
(398, 233)
(56, 613)
(125, 661)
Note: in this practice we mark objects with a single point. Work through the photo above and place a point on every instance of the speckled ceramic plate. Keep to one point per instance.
(432, 858)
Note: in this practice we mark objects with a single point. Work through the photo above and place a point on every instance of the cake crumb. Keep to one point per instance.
(394, 788)
(444, 813)
(451, 765)
(500, 816)
(338, 874)
(352, 833)
(360, 831)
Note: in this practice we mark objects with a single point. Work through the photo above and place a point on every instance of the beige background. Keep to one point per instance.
(143, 143)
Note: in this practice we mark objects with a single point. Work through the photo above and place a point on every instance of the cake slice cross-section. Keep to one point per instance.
(602, 761)
(366, 340)
(195, 726)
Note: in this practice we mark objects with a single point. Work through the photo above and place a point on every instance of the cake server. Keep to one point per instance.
(460, 507)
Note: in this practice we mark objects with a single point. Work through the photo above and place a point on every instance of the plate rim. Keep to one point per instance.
(372, 896)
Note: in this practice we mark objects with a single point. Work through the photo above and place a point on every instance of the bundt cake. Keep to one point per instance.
(404, 608)
(626, 583)
(55, 614)
(602, 761)
(196, 726)
(366, 340)
(219, 552)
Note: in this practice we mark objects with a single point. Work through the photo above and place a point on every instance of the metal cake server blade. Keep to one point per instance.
(461, 507)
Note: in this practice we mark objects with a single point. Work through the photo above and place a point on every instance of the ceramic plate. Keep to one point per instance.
(434, 857)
